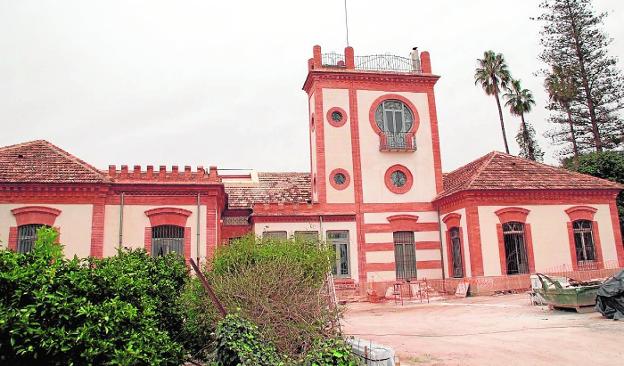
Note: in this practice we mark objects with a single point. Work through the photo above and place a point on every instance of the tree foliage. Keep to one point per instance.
(574, 43)
(120, 310)
(529, 148)
(607, 165)
(493, 75)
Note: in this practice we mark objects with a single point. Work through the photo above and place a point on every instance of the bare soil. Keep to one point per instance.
(489, 330)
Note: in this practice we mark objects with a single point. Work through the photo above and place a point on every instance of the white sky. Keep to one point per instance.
(219, 83)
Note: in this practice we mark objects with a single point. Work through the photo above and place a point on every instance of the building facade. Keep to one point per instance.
(375, 192)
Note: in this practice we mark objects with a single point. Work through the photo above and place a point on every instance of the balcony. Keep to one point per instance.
(384, 63)
(397, 141)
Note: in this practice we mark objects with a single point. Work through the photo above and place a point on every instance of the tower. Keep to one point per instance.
(375, 152)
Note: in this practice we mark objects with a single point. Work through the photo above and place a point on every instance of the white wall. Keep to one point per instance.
(74, 223)
(291, 227)
(375, 163)
(135, 221)
(549, 232)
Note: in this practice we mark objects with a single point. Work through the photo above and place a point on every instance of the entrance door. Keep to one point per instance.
(515, 248)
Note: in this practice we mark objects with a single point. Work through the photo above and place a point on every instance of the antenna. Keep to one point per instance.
(346, 22)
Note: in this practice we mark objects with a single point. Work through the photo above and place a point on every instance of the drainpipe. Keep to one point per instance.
(441, 250)
(121, 209)
(321, 227)
(198, 224)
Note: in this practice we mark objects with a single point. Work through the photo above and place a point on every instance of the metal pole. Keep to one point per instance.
(208, 289)
(121, 209)
(198, 224)
(346, 21)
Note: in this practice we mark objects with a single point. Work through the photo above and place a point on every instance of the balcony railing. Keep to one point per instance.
(388, 63)
(397, 141)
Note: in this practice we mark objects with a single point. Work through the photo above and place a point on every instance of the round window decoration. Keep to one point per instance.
(336, 117)
(339, 179)
(399, 179)
(394, 116)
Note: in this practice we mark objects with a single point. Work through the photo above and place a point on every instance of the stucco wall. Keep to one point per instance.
(135, 221)
(74, 223)
(291, 227)
(382, 217)
(375, 163)
(338, 152)
(549, 232)
(313, 145)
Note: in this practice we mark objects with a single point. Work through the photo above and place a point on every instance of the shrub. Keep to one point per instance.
(332, 351)
(276, 284)
(121, 310)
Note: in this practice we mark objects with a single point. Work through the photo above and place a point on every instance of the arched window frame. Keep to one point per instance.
(31, 215)
(453, 221)
(168, 216)
(584, 213)
(514, 214)
(410, 144)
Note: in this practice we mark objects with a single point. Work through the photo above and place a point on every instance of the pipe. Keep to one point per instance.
(441, 250)
(121, 209)
(321, 228)
(198, 224)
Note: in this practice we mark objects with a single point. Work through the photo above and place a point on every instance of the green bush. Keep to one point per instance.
(121, 310)
(332, 351)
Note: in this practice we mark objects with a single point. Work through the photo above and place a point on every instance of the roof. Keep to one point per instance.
(499, 171)
(41, 162)
(270, 188)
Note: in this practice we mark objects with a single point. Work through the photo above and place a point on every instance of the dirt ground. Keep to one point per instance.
(488, 330)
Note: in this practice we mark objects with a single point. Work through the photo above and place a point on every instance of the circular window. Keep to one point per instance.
(394, 116)
(398, 179)
(339, 179)
(336, 117)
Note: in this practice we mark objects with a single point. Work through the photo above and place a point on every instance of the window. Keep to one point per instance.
(307, 235)
(167, 239)
(395, 119)
(336, 116)
(340, 179)
(456, 253)
(339, 242)
(398, 178)
(26, 237)
(275, 235)
(584, 240)
(404, 255)
(515, 248)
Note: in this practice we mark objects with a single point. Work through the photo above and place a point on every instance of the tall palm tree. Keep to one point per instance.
(493, 76)
(562, 90)
(520, 101)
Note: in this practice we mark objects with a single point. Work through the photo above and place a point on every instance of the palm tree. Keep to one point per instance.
(562, 90)
(520, 101)
(493, 75)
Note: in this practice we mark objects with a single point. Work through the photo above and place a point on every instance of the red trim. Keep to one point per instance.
(383, 247)
(435, 136)
(212, 229)
(409, 137)
(452, 220)
(474, 240)
(302, 218)
(388, 179)
(337, 186)
(168, 216)
(375, 267)
(97, 230)
(187, 243)
(516, 214)
(331, 121)
(617, 233)
(320, 146)
(402, 218)
(35, 215)
(401, 226)
(581, 213)
(312, 125)
(13, 238)
(148, 240)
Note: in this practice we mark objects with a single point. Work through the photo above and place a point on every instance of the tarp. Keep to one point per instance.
(610, 299)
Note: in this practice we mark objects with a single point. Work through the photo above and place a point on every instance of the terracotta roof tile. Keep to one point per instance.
(270, 188)
(41, 162)
(500, 171)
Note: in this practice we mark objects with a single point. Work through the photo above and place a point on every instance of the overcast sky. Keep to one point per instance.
(219, 83)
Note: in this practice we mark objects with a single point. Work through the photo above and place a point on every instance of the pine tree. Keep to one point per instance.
(529, 148)
(574, 41)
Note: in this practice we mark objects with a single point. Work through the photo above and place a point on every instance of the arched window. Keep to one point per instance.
(456, 253)
(167, 239)
(584, 240)
(393, 116)
(515, 248)
(26, 237)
